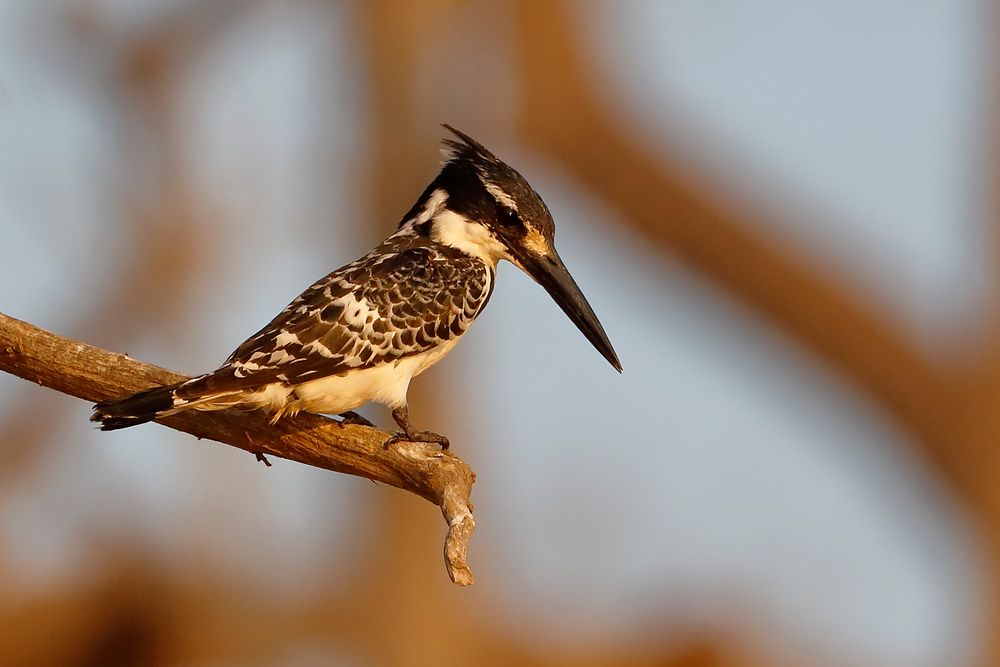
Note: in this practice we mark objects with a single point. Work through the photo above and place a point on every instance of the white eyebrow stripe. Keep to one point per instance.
(498, 194)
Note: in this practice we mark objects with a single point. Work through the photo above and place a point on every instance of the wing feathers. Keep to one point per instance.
(390, 304)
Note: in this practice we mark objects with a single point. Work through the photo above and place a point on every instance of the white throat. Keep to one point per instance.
(472, 238)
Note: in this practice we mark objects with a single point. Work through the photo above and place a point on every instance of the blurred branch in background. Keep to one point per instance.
(951, 412)
(564, 117)
(393, 35)
(158, 219)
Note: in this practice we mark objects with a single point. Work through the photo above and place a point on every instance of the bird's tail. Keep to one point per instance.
(135, 409)
(219, 390)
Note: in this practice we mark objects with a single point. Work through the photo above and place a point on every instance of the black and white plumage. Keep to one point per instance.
(361, 333)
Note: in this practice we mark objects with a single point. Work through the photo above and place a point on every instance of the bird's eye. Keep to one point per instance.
(510, 218)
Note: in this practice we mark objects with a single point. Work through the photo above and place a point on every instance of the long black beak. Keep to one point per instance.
(550, 272)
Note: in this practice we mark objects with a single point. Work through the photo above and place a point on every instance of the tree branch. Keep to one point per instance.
(93, 374)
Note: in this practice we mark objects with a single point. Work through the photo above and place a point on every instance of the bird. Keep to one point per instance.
(362, 332)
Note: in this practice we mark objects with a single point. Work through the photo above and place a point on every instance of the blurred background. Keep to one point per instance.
(785, 213)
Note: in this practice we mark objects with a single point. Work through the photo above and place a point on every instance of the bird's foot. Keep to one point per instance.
(352, 417)
(410, 434)
(418, 436)
(259, 455)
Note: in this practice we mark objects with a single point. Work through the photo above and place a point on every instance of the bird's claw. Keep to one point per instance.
(418, 436)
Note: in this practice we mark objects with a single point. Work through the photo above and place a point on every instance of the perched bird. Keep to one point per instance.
(364, 331)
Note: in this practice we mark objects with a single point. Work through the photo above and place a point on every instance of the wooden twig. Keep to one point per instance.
(93, 374)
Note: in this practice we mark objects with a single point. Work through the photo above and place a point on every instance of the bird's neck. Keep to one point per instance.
(456, 231)
(431, 219)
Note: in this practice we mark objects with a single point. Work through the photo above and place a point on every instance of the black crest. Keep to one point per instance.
(466, 148)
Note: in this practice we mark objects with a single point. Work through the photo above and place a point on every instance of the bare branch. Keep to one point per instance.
(93, 374)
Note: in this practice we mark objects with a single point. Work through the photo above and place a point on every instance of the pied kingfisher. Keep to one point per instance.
(364, 331)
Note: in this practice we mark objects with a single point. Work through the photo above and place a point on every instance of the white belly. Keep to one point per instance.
(386, 384)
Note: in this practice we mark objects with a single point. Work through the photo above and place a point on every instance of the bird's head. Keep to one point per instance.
(483, 207)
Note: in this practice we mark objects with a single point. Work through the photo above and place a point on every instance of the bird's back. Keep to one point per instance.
(406, 298)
